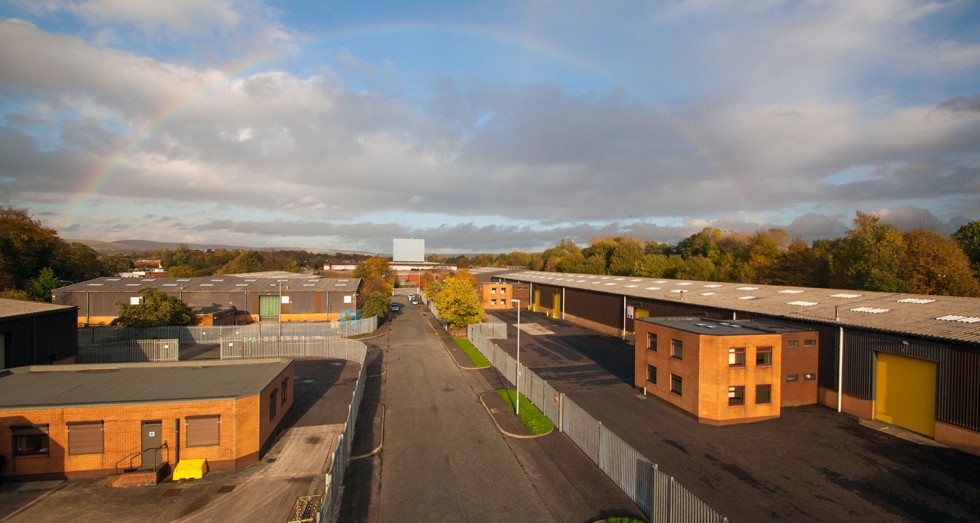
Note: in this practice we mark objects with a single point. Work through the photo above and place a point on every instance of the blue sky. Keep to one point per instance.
(486, 126)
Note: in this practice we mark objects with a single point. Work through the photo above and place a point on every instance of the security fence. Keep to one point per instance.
(89, 336)
(655, 492)
(292, 347)
(129, 351)
(322, 347)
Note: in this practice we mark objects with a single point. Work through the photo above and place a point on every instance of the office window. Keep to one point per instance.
(493, 290)
(763, 356)
(273, 403)
(763, 393)
(651, 374)
(810, 376)
(493, 302)
(676, 384)
(203, 431)
(85, 437)
(652, 341)
(809, 343)
(736, 357)
(736, 395)
(792, 377)
(792, 344)
(30, 440)
(677, 349)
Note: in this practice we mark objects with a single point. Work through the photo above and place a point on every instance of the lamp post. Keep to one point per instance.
(517, 400)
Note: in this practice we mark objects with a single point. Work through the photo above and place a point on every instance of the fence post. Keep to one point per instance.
(561, 412)
(670, 500)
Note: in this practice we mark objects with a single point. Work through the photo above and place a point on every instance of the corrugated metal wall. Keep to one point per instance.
(961, 404)
(605, 309)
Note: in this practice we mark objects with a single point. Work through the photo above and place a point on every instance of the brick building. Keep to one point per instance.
(726, 372)
(74, 421)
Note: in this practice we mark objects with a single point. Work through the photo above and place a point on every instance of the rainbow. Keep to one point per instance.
(104, 169)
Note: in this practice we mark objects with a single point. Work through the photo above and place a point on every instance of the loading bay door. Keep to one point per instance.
(905, 393)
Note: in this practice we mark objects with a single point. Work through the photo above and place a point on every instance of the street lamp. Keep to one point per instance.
(517, 401)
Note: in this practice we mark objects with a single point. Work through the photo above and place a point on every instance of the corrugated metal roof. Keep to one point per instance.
(215, 283)
(943, 317)
(71, 385)
(10, 309)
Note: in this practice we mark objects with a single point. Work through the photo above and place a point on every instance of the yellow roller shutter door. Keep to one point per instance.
(905, 393)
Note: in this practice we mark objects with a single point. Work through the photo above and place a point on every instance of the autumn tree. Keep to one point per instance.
(155, 309)
(246, 261)
(26, 247)
(936, 264)
(457, 300)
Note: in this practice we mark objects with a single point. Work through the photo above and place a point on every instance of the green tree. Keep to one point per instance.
(14, 294)
(969, 237)
(155, 309)
(871, 257)
(26, 247)
(39, 289)
(78, 262)
(376, 304)
(116, 263)
(246, 261)
(698, 268)
(625, 255)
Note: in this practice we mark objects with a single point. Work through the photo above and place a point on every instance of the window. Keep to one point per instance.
(676, 384)
(30, 440)
(493, 290)
(763, 393)
(273, 403)
(736, 357)
(493, 301)
(652, 341)
(792, 344)
(792, 377)
(651, 374)
(763, 356)
(736, 395)
(85, 437)
(809, 343)
(810, 376)
(284, 387)
(203, 431)
(677, 349)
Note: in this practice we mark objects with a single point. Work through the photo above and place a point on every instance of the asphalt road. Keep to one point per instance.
(443, 458)
(812, 464)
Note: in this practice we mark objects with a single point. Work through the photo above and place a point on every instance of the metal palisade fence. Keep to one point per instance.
(91, 336)
(656, 493)
(334, 348)
(129, 351)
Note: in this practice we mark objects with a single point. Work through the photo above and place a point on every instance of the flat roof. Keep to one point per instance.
(47, 386)
(10, 309)
(226, 283)
(714, 327)
(950, 318)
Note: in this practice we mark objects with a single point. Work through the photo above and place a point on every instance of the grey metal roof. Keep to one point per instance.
(121, 383)
(10, 309)
(216, 283)
(719, 327)
(941, 317)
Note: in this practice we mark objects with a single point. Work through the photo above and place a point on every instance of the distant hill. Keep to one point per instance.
(131, 246)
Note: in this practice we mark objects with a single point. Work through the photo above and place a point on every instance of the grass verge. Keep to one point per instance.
(472, 353)
(531, 417)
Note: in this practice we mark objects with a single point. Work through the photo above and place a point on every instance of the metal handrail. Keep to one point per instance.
(132, 455)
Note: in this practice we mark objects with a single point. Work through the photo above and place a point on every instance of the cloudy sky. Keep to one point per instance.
(486, 126)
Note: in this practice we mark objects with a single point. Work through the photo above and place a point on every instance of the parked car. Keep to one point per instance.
(395, 307)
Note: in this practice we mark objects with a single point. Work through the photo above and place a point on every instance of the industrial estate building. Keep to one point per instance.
(34, 333)
(909, 360)
(74, 421)
(725, 372)
(227, 299)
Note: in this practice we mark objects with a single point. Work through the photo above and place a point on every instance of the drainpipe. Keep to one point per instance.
(624, 316)
(840, 368)
(563, 303)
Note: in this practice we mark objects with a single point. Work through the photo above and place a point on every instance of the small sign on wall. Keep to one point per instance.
(284, 299)
(347, 299)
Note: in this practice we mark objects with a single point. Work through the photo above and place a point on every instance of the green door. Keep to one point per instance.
(269, 307)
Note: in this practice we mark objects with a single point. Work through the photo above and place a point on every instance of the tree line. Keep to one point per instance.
(872, 256)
